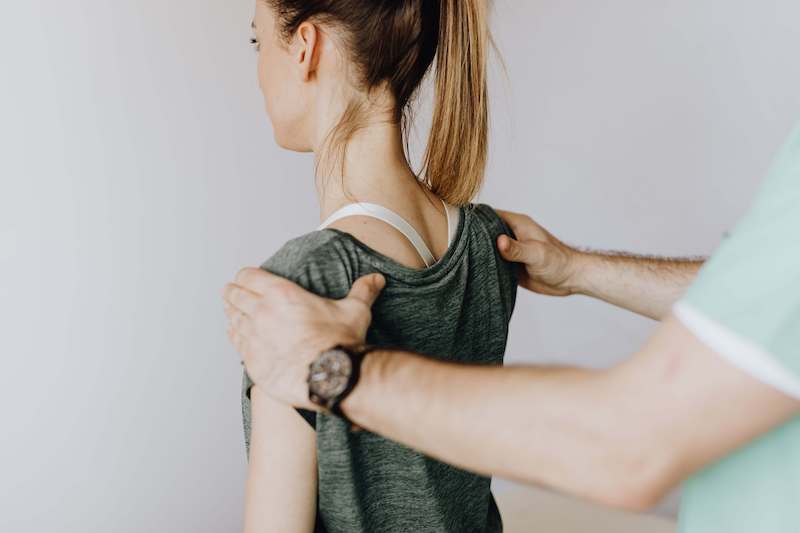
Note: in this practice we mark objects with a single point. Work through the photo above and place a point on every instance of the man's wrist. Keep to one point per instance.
(373, 369)
(580, 268)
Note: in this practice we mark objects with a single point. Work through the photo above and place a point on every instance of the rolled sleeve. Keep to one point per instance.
(745, 303)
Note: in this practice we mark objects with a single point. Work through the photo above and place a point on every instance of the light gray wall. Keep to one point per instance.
(138, 174)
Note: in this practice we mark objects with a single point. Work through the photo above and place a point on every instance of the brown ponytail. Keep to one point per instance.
(455, 159)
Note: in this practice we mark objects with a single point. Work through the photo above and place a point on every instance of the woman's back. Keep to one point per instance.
(458, 309)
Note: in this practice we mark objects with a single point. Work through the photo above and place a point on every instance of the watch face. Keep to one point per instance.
(329, 374)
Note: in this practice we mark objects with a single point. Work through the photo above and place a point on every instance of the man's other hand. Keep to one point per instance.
(278, 328)
(548, 266)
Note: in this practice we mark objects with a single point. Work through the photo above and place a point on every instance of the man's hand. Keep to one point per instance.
(549, 266)
(645, 285)
(279, 328)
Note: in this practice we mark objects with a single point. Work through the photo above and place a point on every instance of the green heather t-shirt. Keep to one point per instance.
(457, 310)
(745, 305)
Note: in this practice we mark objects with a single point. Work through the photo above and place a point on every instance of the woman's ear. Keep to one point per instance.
(307, 56)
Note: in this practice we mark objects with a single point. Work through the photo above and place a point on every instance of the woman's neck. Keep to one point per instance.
(375, 170)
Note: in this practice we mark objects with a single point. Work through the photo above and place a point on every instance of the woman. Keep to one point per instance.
(338, 77)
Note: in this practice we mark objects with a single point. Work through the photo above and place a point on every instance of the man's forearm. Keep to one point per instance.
(645, 285)
(562, 427)
(622, 437)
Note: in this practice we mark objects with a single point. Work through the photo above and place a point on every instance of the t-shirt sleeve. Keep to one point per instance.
(506, 271)
(319, 263)
(745, 302)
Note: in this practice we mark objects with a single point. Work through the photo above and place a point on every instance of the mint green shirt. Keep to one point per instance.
(745, 305)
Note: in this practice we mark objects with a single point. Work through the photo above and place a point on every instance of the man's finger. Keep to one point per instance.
(241, 298)
(236, 340)
(367, 288)
(258, 280)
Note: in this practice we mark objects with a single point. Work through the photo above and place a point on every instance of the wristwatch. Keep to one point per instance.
(334, 374)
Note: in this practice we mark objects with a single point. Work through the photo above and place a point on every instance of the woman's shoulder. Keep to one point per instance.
(320, 261)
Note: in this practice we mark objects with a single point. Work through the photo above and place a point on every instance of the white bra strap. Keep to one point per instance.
(388, 216)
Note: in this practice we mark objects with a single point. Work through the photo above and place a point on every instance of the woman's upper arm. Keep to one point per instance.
(281, 489)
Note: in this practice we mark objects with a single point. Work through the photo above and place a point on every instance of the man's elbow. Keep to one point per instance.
(640, 483)
(639, 499)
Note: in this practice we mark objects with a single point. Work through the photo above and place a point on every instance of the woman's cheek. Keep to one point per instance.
(285, 107)
(283, 123)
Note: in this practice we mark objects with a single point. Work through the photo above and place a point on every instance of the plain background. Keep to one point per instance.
(139, 175)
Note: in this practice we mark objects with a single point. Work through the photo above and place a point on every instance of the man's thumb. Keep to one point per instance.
(367, 288)
(516, 252)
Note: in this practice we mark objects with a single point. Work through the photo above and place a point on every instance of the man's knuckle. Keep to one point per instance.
(242, 275)
(282, 290)
(233, 293)
(228, 292)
